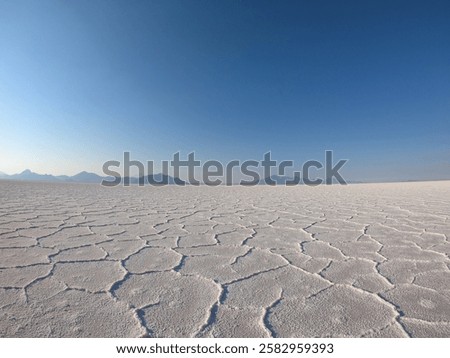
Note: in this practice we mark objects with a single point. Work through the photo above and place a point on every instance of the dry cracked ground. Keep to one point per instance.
(363, 260)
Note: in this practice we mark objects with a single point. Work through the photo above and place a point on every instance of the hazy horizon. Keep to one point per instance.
(83, 82)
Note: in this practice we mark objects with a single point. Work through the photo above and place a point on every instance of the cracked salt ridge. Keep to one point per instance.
(313, 239)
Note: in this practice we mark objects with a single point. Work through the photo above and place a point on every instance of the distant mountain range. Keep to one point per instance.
(86, 177)
(83, 177)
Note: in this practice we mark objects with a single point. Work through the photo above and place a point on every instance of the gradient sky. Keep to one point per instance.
(83, 81)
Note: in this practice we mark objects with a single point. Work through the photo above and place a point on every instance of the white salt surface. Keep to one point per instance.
(364, 260)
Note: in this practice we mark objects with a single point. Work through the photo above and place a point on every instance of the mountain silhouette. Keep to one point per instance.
(86, 177)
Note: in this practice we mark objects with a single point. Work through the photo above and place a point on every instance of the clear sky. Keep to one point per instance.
(83, 81)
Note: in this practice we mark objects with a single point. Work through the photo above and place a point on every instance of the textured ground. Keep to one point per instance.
(361, 260)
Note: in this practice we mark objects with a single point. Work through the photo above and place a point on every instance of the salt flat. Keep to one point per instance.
(363, 260)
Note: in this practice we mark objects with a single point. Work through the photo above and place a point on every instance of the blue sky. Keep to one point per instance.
(83, 81)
